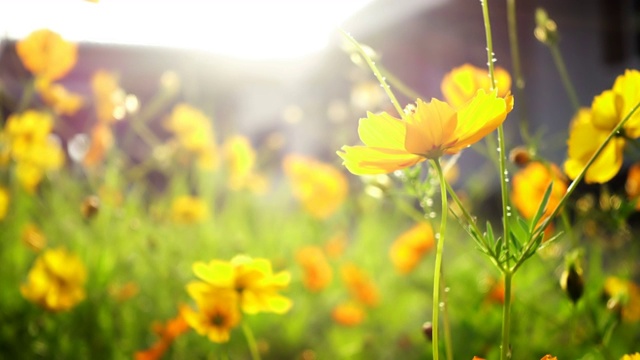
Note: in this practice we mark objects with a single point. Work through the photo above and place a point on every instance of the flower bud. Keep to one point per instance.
(572, 282)
(520, 156)
(427, 330)
(89, 207)
(546, 29)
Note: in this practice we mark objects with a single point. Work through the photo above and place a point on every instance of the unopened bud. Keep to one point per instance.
(427, 330)
(572, 282)
(520, 156)
(90, 206)
(546, 29)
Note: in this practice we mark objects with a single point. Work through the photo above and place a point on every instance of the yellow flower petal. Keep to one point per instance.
(482, 115)
(606, 109)
(383, 131)
(430, 128)
(362, 160)
(628, 86)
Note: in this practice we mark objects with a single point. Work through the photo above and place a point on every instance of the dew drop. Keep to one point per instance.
(437, 236)
(429, 202)
(432, 214)
(447, 289)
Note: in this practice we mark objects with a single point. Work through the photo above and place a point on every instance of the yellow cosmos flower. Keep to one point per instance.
(192, 128)
(61, 100)
(253, 279)
(320, 187)
(530, 184)
(4, 202)
(625, 296)
(26, 129)
(612, 106)
(461, 84)
(107, 95)
(240, 160)
(216, 316)
(433, 129)
(584, 140)
(189, 210)
(635, 356)
(56, 281)
(46, 54)
(33, 237)
(317, 271)
(409, 248)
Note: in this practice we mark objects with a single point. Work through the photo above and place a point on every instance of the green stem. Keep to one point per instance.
(505, 348)
(517, 68)
(505, 352)
(448, 343)
(376, 72)
(251, 342)
(438, 263)
(564, 76)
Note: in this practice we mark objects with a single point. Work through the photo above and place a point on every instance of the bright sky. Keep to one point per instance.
(248, 29)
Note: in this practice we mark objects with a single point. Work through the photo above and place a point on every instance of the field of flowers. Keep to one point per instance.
(209, 247)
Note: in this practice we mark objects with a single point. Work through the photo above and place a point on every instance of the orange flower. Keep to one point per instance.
(61, 100)
(530, 184)
(460, 84)
(101, 142)
(124, 292)
(320, 187)
(33, 237)
(216, 315)
(407, 250)
(360, 285)
(433, 129)
(167, 333)
(632, 185)
(549, 357)
(348, 314)
(46, 54)
(317, 271)
(335, 245)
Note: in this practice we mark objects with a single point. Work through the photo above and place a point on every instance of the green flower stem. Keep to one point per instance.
(437, 272)
(251, 341)
(448, 344)
(506, 309)
(376, 72)
(574, 184)
(517, 68)
(564, 76)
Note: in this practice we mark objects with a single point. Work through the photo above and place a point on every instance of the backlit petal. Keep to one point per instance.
(382, 130)
(482, 115)
(429, 128)
(362, 160)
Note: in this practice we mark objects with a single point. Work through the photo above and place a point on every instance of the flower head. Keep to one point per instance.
(408, 249)
(46, 54)
(240, 160)
(189, 210)
(623, 295)
(433, 129)
(348, 314)
(56, 281)
(33, 237)
(317, 271)
(632, 185)
(360, 285)
(167, 333)
(461, 84)
(530, 185)
(635, 356)
(216, 316)
(320, 187)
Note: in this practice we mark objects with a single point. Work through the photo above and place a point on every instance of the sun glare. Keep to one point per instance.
(247, 29)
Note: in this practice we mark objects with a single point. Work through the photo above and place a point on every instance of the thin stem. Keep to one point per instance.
(505, 352)
(448, 343)
(564, 76)
(251, 341)
(505, 348)
(517, 68)
(438, 263)
(376, 72)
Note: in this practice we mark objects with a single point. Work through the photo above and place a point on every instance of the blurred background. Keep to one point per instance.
(277, 71)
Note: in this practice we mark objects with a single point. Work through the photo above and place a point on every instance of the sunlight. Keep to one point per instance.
(248, 29)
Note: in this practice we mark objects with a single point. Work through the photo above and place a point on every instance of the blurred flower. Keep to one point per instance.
(189, 210)
(56, 281)
(624, 295)
(409, 248)
(520, 156)
(477, 358)
(635, 356)
(461, 83)
(320, 187)
(317, 271)
(216, 316)
(632, 186)
(348, 314)
(530, 185)
(107, 95)
(335, 246)
(123, 292)
(584, 140)
(167, 333)
(26, 129)
(610, 107)
(360, 285)
(253, 280)
(101, 142)
(194, 132)
(46, 54)
(433, 129)
(240, 160)
(496, 292)
(549, 357)
(61, 100)
(33, 237)
(4, 202)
